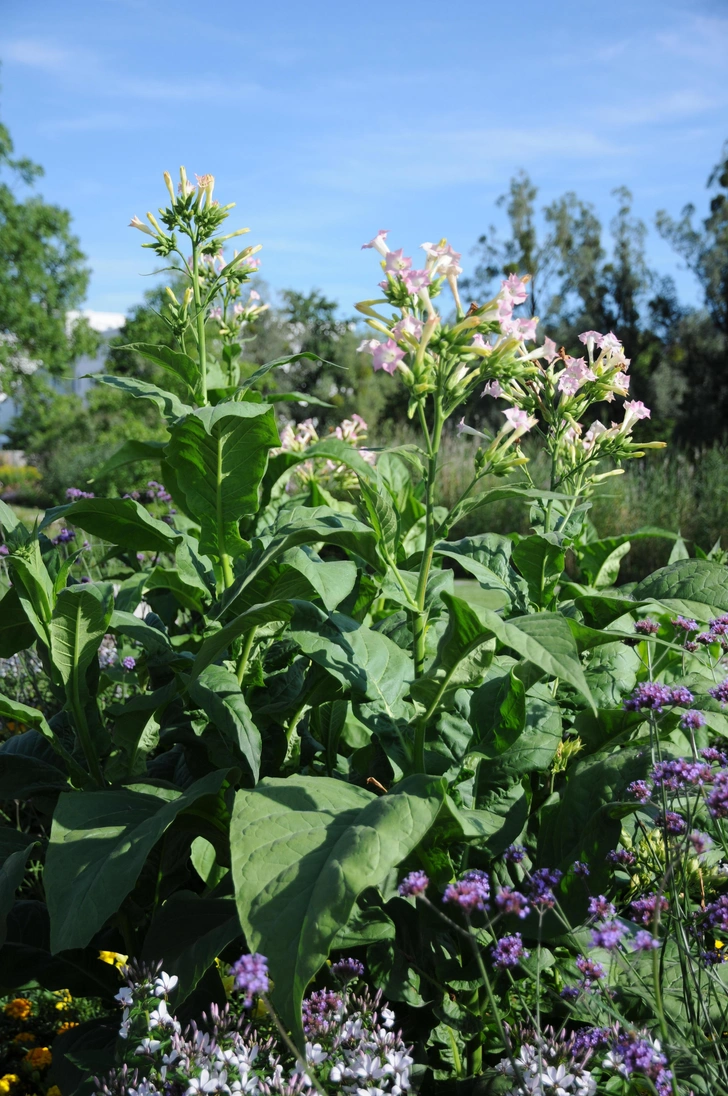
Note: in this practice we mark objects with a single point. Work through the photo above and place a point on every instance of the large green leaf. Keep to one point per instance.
(16, 631)
(217, 643)
(181, 365)
(98, 845)
(546, 640)
(124, 522)
(532, 750)
(80, 619)
(12, 871)
(31, 717)
(131, 452)
(218, 693)
(693, 587)
(303, 850)
(154, 641)
(188, 934)
(464, 652)
(8, 520)
(357, 656)
(488, 559)
(219, 455)
(540, 559)
(168, 404)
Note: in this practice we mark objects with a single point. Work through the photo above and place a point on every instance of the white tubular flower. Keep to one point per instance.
(378, 242)
(136, 223)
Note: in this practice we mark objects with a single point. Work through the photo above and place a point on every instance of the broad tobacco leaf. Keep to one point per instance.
(98, 845)
(303, 850)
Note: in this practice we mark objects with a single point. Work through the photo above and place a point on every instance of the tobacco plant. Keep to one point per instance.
(301, 708)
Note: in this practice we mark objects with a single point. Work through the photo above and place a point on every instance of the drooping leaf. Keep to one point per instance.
(124, 522)
(219, 455)
(303, 850)
(218, 693)
(540, 558)
(98, 845)
(357, 656)
(692, 587)
(169, 405)
(16, 631)
(174, 361)
(12, 871)
(80, 620)
(131, 452)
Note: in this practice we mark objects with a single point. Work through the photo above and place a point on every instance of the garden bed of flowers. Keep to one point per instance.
(283, 813)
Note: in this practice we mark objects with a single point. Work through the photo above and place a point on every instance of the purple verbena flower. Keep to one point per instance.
(581, 869)
(718, 796)
(645, 941)
(4, 550)
(720, 692)
(570, 993)
(414, 884)
(691, 720)
(607, 935)
(601, 907)
(701, 842)
(621, 858)
(706, 638)
(591, 970)
(686, 623)
(672, 822)
(509, 900)
(508, 952)
(251, 976)
(514, 854)
(346, 970)
(648, 695)
(716, 913)
(646, 627)
(640, 790)
(643, 909)
(128, 663)
(470, 893)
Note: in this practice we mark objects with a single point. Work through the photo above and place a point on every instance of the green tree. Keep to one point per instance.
(42, 277)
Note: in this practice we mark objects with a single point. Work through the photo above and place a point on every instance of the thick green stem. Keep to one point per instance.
(200, 320)
(245, 655)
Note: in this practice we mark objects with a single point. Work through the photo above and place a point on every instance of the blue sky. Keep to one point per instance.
(329, 119)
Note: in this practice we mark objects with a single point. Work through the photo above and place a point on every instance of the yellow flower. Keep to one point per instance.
(66, 1026)
(719, 944)
(39, 1057)
(25, 1037)
(114, 959)
(19, 1009)
(65, 998)
(54, 1090)
(8, 1082)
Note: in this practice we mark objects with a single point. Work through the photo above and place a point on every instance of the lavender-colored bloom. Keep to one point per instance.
(570, 993)
(509, 900)
(321, 1010)
(622, 858)
(646, 627)
(64, 537)
(607, 935)
(514, 854)
(346, 970)
(640, 1056)
(701, 842)
(601, 907)
(681, 773)
(591, 970)
(251, 976)
(682, 696)
(74, 493)
(672, 822)
(470, 893)
(718, 797)
(643, 909)
(690, 646)
(591, 1038)
(720, 692)
(716, 913)
(414, 884)
(645, 941)
(648, 695)
(581, 869)
(4, 550)
(686, 623)
(128, 663)
(711, 754)
(508, 952)
(640, 790)
(719, 625)
(706, 638)
(541, 886)
(691, 720)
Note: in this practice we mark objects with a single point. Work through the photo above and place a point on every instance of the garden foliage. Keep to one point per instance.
(302, 711)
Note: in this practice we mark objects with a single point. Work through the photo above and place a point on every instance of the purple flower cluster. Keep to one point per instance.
(540, 887)
(159, 491)
(645, 941)
(621, 858)
(73, 493)
(472, 892)
(640, 790)
(647, 627)
(414, 884)
(672, 822)
(692, 720)
(607, 935)
(685, 623)
(251, 976)
(640, 1056)
(591, 970)
(64, 537)
(512, 901)
(514, 854)
(128, 663)
(652, 696)
(644, 909)
(720, 692)
(581, 869)
(321, 1011)
(716, 914)
(508, 952)
(346, 970)
(601, 907)
(718, 797)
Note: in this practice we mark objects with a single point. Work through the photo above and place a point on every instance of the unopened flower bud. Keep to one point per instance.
(136, 223)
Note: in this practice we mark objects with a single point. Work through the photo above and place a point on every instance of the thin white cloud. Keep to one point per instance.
(666, 108)
(37, 54)
(704, 39)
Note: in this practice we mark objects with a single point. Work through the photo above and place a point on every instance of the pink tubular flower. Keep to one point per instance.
(549, 350)
(493, 389)
(415, 280)
(518, 420)
(526, 329)
(368, 346)
(637, 409)
(514, 289)
(609, 342)
(396, 261)
(254, 295)
(379, 242)
(479, 342)
(575, 374)
(620, 381)
(505, 310)
(591, 336)
(463, 429)
(387, 356)
(408, 325)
